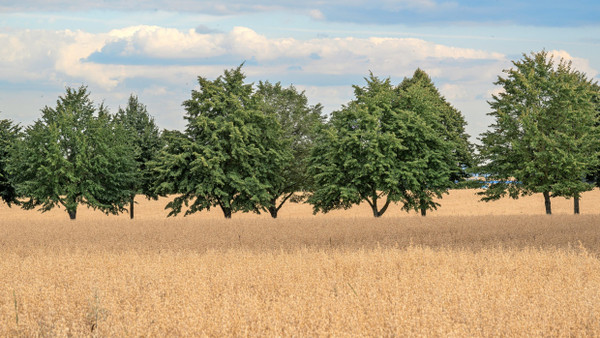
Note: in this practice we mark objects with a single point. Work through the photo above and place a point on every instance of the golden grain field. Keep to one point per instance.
(468, 269)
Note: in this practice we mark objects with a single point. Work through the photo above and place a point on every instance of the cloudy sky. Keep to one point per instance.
(157, 48)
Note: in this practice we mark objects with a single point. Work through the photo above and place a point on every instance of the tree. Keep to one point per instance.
(74, 154)
(594, 175)
(372, 149)
(9, 135)
(229, 154)
(145, 142)
(298, 121)
(419, 95)
(545, 138)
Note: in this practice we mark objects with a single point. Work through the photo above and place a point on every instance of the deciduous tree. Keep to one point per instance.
(145, 143)
(73, 154)
(9, 135)
(419, 95)
(374, 151)
(545, 135)
(299, 121)
(230, 153)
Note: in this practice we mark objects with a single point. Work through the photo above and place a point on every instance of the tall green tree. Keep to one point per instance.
(9, 135)
(299, 122)
(420, 96)
(145, 142)
(374, 151)
(420, 93)
(230, 153)
(73, 154)
(545, 138)
(594, 175)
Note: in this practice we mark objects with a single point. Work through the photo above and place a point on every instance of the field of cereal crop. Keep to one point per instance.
(468, 269)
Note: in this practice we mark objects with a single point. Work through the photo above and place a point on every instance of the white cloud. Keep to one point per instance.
(580, 64)
(114, 63)
(331, 97)
(65, 53)
(316, 14)
(159, 42)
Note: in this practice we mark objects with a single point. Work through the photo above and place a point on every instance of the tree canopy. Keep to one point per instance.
(545, 135)
(420, 96)
(373, 150)
(9, 134)
(299, 123)
(418, 93)
(230, 154)
(145, 143)
(73, 154)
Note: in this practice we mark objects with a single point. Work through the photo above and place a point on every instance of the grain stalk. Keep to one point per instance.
(16, 308)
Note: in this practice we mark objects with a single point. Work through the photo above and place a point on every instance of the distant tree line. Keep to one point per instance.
(253, 147)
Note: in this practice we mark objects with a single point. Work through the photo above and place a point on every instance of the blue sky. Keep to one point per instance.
(156, 49)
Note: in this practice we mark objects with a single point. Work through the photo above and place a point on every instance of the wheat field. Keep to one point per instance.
(467, 269)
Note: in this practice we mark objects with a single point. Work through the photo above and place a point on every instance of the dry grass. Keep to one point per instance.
(457, 203)
(464, 271)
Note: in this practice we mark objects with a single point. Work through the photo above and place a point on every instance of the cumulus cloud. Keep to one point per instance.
(580, 64)
(107, 59)
(161, 64)
(165, 57)
(322, 55)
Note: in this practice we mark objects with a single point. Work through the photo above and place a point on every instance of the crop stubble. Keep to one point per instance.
(458, 272)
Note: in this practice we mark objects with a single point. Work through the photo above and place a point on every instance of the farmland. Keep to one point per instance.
(469, 268)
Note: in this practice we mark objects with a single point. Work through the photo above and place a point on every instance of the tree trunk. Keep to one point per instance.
(131, 207)
(226, 212)
(423, 211)
(273, 211)
(72, 213)
(576, 205)
(376, 212)
(71, 205)
(547, 203)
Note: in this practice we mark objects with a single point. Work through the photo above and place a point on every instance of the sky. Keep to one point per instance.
(156, 49)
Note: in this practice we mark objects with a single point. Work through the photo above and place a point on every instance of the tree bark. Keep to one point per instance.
(576, 205)
(385, 206)
(273, 211)
(226, 212)
(72, 213)
(376, 212)
(71, 205)
(131, 207)
(423, 207)
(547, 203)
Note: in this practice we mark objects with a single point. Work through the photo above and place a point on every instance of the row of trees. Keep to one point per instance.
(252, 148)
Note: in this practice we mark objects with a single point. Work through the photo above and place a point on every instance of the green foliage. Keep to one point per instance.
(594, 175)
(419, 95)
(74, 154)
(9, 135)
(298, 121)
(545, 138)
(145, 143)
(230, 153)
(373, 148)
